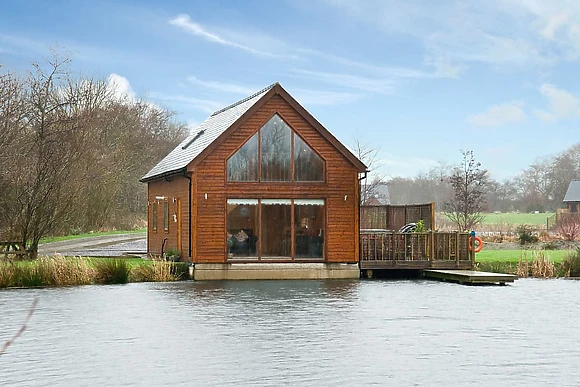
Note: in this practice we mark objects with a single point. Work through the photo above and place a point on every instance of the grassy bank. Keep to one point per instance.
(535, 263)
(67, 271)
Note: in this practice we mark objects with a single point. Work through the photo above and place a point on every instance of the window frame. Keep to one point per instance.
(260, 257)
(292, 180)
(166, 216)
(154, 215)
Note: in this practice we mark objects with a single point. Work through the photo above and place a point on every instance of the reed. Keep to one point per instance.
(538, 265)
(571, 264)
(112, 271)
(157, 271)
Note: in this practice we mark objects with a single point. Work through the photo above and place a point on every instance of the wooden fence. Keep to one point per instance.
(384, 249)
(392, 218)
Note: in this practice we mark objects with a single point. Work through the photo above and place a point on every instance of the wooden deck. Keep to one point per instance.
(470, 277)
(384, 250)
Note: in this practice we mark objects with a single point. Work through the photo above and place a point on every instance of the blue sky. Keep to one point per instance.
(418, 80)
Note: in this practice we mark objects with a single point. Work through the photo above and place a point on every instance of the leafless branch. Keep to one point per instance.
(22, 327)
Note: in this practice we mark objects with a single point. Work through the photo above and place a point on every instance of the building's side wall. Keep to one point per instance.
(176, 191)
(340, 189)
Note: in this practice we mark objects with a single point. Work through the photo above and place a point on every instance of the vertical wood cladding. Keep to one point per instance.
(211, 189)
(175, 187)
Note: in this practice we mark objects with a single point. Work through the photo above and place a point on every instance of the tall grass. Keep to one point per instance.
(112, 271)
(46, 271)
(58, 270)
(571, 264)
(538, 266)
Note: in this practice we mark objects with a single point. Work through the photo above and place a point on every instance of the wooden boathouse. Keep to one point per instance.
(259, 190)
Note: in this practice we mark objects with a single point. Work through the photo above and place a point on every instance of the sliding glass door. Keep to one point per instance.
(288, 229)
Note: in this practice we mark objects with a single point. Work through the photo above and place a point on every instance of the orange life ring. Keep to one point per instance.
(480, 244)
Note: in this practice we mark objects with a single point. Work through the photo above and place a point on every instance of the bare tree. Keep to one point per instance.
(369, 155)
(468, 182)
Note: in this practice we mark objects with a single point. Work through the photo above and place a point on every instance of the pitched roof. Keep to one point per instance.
(200, 138)
(573, 193)
(213, 129)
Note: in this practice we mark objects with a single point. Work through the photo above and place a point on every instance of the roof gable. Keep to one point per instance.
(217, 127)
(573, 193)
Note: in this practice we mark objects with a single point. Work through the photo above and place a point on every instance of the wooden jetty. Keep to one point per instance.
(469, 277)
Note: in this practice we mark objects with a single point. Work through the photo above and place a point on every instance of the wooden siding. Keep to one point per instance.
(175, 187)
(340, 189)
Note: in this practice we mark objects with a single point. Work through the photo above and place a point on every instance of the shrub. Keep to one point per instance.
(112, 271)
(552, 245)
(571, 264)
(526, 234)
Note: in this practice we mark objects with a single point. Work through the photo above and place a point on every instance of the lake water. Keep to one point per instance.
(298, 333)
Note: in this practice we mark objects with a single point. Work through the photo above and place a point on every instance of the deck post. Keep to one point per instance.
(432, 248)
(472, 249)
(457, 248)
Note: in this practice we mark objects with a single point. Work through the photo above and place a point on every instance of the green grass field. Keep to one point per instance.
(515, 218)
(513, 256)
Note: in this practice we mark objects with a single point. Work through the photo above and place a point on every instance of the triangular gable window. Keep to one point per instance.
(282, 155)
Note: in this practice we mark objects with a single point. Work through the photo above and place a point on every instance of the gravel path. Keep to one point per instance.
(99, 246)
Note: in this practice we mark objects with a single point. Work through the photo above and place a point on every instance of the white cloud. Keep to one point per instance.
(121, 88)
(223, 86)
(561, 104)
(499, 115)
(500, 33)
(375, 85)
(320, 97)
(205, 105)
(185, 23)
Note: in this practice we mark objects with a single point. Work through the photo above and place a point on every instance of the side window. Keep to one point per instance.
(154, 217)
(166, 216)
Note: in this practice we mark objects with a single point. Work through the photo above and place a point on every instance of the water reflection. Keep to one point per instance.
(294, 333)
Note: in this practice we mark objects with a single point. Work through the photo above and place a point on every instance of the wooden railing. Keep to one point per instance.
(12, 249)
(427, 247)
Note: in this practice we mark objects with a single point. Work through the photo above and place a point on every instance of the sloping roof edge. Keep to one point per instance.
(573, 192)
(277, 89)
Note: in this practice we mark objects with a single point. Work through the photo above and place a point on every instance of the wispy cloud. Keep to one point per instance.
(184, 22)
(561, 104)
(499, 115)
(500, 33)
(321, 97)
(375, 85)
(205, 105)
(222, 86)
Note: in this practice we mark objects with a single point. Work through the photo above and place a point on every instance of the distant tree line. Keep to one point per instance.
(73, 152)
(540, 187)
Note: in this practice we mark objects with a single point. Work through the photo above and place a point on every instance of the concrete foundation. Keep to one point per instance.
(277, 271)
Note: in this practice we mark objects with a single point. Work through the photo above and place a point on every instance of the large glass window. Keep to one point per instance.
(308, 166)
(264, 229)
(242, 228)
(308, 228)
(275, 148)
(243, 165)
(276, 228)
(282, 155)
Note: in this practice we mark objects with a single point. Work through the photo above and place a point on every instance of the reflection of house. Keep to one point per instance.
(273, 195)
(572, 197)
(378, 195)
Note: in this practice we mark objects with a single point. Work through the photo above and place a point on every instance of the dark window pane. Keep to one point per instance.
(242, 228)
(166, 216)
(243, 165)
(154, 220)
(308, 166)
(276, 228)
(275, 143)
(309, 228)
